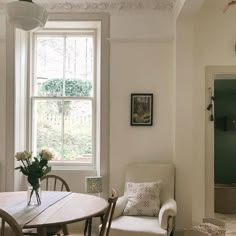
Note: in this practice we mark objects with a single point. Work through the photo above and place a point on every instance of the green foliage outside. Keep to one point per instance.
(74, 145)
(54, 87)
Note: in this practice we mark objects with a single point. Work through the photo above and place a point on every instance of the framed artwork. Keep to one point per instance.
(141, 109)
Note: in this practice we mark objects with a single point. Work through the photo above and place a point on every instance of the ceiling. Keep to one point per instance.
(105, 5)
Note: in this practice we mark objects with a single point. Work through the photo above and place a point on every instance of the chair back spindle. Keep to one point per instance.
(109, 214)
(54, 183)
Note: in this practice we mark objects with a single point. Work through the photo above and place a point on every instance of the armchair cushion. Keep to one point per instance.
(168, 208)
(136, 226)
(143, 199)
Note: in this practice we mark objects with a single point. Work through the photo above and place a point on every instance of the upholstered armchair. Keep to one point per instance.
(140, 225)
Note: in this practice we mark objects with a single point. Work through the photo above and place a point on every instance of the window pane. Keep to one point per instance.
(49, 66)
(47, 126)
(64, 66)
(79, 66)
(79, 58)
(78, 131)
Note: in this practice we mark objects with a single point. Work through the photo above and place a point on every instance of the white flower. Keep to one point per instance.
(20, 156)
(46, 154)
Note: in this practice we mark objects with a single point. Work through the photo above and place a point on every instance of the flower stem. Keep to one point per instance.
(38, 197)
(36, 194)
(23, 163)
(31, 194)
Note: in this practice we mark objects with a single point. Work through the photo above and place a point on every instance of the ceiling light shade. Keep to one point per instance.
(26, 15)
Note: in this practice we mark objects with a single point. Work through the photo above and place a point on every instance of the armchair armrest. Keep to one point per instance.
(120, 206)
(168, 209)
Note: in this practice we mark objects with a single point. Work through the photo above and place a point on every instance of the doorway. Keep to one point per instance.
(220, 141)
(225, 131)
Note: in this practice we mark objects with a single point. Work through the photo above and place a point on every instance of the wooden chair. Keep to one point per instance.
(14, 226)
(112, 204)
(107, 216)
(55, 183)
(105, 228)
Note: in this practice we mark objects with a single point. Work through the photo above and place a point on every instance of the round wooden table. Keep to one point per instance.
(67, 208)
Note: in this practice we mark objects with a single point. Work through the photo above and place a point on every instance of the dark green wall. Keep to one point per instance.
(225, 141)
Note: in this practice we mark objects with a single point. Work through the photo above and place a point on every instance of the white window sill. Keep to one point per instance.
(71, 166)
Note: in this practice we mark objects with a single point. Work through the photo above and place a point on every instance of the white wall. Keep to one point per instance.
(183, 122)
(216, 35)
(178, 8)
(141, 62)
(6, 106)
(188, 157)
(190, 181)
(142, 25)
(2, 101)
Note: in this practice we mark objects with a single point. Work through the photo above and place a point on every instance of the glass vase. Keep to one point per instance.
(34, 195)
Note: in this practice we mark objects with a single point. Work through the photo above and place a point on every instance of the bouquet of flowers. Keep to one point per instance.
(34, 168)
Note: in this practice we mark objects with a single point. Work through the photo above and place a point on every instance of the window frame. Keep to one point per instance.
(96, 110)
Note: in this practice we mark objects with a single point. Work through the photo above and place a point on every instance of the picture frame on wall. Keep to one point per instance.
(141, 109)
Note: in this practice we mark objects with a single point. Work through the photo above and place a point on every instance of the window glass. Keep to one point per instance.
(48, 126)
(49, 65)
(79, 58)
(78, 131)
(62, 96)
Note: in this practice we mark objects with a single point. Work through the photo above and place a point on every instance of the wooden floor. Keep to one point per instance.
(77, 229)
(230, 223)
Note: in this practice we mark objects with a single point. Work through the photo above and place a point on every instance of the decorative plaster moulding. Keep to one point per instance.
(103, 5)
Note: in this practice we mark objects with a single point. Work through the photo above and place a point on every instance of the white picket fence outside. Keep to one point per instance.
(55, 121)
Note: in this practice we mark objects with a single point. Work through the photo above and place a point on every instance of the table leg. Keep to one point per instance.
(85, 227)
(42, 231)
(90, 227)
(65, 230)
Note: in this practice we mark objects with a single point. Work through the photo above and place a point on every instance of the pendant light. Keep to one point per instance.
(26, 15)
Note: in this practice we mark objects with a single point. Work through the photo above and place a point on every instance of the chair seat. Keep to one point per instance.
(136, 226)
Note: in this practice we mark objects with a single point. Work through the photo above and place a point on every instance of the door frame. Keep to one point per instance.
(211, 74)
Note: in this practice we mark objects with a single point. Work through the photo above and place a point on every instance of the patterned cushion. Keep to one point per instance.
(143, 199)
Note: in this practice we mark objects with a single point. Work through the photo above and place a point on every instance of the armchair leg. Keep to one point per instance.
(170, 226)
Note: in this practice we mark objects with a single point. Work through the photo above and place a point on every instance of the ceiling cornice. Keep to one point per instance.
(104, 5)
(111, 5)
